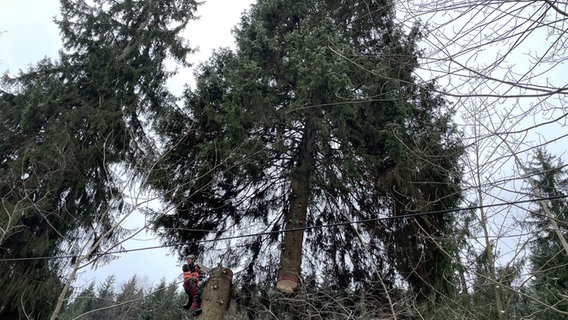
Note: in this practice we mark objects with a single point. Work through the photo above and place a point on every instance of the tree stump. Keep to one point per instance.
(216, 294)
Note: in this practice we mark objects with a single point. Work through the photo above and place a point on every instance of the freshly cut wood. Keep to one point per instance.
(287, 285)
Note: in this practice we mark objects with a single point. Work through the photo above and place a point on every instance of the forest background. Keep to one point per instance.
(502, 69)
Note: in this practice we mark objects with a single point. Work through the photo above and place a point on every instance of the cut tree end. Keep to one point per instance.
(286, 285)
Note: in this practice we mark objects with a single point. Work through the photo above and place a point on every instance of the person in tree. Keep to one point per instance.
(191, 274)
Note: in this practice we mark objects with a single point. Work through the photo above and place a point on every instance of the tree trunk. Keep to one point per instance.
(216, 294)
(291, 249)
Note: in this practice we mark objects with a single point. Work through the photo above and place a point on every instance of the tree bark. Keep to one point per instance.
(216, 294)
(291, 248)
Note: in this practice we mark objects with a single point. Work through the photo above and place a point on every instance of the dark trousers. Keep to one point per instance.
(193, 294)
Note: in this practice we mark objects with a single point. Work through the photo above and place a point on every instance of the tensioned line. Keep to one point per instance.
(408, 215)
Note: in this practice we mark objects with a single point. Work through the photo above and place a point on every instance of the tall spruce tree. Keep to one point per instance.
(315, 121)
(548, 257)
(65, 124)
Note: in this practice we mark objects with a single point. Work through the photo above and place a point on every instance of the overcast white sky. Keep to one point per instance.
(28, 34)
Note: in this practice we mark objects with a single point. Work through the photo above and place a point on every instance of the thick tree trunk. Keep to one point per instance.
(291, 248)
(216, 294)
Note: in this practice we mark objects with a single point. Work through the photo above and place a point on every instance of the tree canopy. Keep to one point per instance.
(66, 124)
(317, 121)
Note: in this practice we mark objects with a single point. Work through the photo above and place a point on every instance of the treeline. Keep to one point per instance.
(130, 300)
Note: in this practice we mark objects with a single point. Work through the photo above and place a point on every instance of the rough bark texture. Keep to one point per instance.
(216, 294)
(291, 249)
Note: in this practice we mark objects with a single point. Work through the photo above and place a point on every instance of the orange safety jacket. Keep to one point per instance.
(188, 275)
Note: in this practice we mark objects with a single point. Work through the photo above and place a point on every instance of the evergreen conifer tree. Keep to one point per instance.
(84, 302)
(316, 121)
(163, 301)
(548, 257)
(66, 124)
